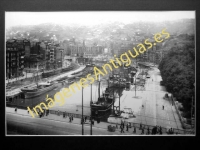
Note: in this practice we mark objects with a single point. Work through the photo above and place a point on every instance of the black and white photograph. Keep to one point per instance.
(100, 73)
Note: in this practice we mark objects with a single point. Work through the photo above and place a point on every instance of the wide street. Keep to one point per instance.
(21, 122)
(152, 99)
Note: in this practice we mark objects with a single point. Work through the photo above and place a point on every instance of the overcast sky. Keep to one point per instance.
(92, 17)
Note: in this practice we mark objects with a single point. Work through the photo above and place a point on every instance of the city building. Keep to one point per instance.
(58, 51)
(15, 53)
(65, 46)
(37, 56)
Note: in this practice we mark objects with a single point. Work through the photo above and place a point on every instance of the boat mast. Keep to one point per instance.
(99, 86)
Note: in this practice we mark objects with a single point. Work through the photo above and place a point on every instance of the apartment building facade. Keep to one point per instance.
(15, 53)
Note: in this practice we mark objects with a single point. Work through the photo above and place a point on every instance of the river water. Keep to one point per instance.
(72, 104)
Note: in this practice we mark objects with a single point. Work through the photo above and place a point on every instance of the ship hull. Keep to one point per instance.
(101, 107)
(39, 92)
(101, 110)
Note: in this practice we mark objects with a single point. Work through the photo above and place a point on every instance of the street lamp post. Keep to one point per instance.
(113, 95)
(119, 95)
(135, 83)
(82, 113)
(91, 112)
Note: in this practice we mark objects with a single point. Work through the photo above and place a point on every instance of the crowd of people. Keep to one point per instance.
(122, 126)
(155, 130)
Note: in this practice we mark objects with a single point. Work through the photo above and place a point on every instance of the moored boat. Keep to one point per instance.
(103, 104)
(38, 90)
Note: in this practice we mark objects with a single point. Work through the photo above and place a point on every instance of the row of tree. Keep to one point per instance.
(178, 73)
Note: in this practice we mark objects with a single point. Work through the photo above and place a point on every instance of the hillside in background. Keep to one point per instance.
(100, 33)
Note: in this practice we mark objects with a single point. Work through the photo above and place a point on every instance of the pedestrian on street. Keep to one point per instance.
(172, 131)
(160, 130)
(64, 115)
(72, 118)
(142, 131)
(140, 126)
(153, 130)
(134, 129)
(156, 130)
(15, 109)
(127, 127)
(148, 131)
(168, 132)
(85, 118)
(163, 107)
(121, 128)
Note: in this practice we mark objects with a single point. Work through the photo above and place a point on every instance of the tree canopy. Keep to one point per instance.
(178, 73)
